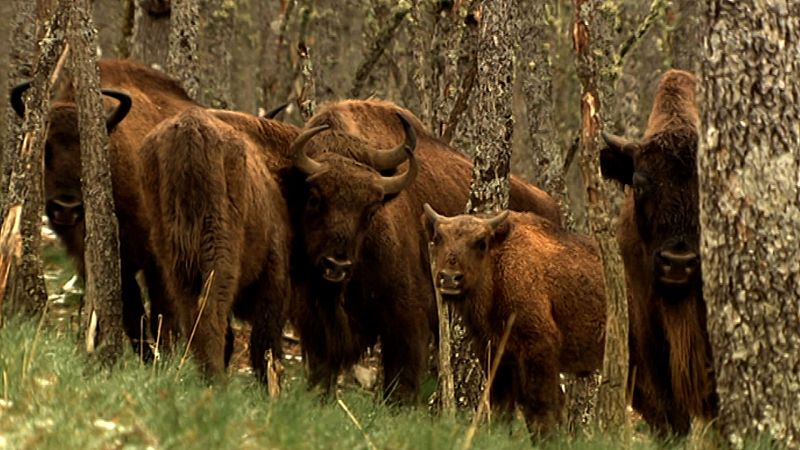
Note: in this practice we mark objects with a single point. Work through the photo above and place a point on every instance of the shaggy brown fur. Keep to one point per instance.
(551, 279)
(155, 97)
(388, 294)
(671, 366)
(442, 168)
(216, 207)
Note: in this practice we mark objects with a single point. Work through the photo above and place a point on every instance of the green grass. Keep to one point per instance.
(53, 397)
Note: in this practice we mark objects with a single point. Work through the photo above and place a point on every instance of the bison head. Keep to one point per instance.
(661, 173)
(462, 246)
(64, 204)
(340, 196)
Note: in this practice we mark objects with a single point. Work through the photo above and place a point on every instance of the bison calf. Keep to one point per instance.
(551, 279)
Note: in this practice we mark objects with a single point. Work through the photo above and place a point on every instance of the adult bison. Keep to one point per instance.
(141, 99)
(658, 233)
(366, 272)
(519, 263)
(220, 231)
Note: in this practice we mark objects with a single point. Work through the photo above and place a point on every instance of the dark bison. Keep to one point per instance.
(658, 233)
(219, 227)
(519, 263)
(142, 97)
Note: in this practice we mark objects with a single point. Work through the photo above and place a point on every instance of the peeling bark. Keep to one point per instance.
(26, 186)
(103, 285)
(748, 166)
(590, 34)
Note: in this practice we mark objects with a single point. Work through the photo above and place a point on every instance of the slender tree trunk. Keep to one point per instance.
(592, 50)
(276, 66)
(216, 62)
(182, 62)
(151, 29)
(26, 185)
(686, 38)
(748, 167)
(103, 289)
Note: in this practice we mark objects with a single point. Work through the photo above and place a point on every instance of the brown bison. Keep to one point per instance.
(519, 263)
(658, 233)
(365, 272)
(220, 230)
(144, 98)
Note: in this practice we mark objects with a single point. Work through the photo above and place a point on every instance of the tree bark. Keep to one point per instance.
(748, 164)
(22, 41)
(182, 62)
(103, 289)
(590, 34)
(216, 62)
(26, 185)
(686, 37)
(151, 30)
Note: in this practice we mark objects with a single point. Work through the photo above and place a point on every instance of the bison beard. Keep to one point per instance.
(143, 97)
(521, 264)
(658, 232)
(217, 208)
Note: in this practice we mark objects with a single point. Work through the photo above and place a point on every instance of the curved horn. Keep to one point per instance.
(298, 151)
(615, 141)
(16, 97)
(433, 215)
(390, 159)
(395, 184)
(497, 220)
(274, 112)
(122, 110)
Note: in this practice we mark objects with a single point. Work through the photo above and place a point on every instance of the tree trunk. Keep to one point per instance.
(590, 33)
(103, 289)
(686, 37)
(151, 29)
(489, 190)
(25, 188)
(21, 53)
(216, 61)
(750, 214)
(183, 37)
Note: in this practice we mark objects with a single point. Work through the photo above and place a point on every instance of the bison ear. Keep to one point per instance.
(427, 226)
(616, 159)
(501, 232)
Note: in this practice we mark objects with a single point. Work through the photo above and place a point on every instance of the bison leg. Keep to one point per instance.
(404, 349)
(542, 401)
(164, 329)
(209, 340)
(269, 316)
(133, 311)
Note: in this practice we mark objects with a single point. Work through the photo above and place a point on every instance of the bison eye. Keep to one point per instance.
(313, 201)
(640, 185)
(370, 212)
(480, 245)
(437, 238)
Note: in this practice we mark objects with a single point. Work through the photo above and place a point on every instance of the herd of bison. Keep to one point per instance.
(328, 227)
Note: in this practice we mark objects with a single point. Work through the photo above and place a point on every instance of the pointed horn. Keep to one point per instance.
(433, 215)
(395, 184)
(497, 220)
(615, 141)
(271, 114)
(122, 110)
(302, 161)
(16, 97)
(390, 159)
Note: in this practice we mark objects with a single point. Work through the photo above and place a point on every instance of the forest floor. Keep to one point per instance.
(53, 397)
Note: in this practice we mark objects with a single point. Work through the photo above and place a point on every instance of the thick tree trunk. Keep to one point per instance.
(592, 52)
(25, 188)
(182, 62)
(151, 29)
(216, 61)
(748, 166)
(103, 289)
(22, 41)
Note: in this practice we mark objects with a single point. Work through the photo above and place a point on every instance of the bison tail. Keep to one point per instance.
(201, 171)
